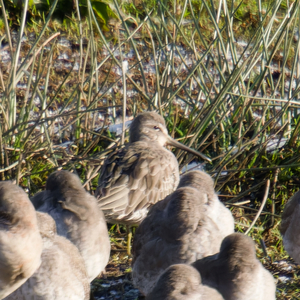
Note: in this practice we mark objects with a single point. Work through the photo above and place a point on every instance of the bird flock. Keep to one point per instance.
(53, 245)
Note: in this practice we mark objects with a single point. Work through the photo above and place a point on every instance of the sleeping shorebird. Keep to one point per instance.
(236, 272)
(61, 275)
(141, 173)
(77, 217)
(20, 241)
(187, 225)
(204, 184)
(182, 282)
(290, 228)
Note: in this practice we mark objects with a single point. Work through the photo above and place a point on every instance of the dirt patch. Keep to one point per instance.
(117, 281)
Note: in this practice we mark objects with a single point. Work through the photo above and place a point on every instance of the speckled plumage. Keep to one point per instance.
(177, 230)
(236, 272)
(182, 282)
(61, 275)
(20, 241)
(290, 228)
(77, 217)
(140, 174)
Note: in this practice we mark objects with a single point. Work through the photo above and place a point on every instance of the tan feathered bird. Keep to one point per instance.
(236, 272)
(20, 241)
(290, 228)
(178, 229)
(204, 184)
(61, 275)
(77, 217)
(141, 173)
(182, 282)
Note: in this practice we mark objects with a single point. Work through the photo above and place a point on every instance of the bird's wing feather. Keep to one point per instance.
(134, 178)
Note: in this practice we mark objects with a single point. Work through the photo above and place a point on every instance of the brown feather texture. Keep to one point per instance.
(236, 272)
(290, 228)
(61, 275)
(179, 229)
(204, 184)
(77, 217)
(182, 282)
(20, 241)
(141, 173)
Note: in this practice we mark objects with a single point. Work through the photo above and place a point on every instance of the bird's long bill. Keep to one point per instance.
(176, 144)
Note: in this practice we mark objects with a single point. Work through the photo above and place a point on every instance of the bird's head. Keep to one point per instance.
(151, 127)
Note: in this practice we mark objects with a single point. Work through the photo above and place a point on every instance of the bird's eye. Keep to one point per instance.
(156, 128)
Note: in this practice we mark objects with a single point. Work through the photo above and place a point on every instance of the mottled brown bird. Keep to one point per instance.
(77, 217)
(141, 173)
(182, 282)
(20, 242)
(236, 272)
(290, 228)
(61, 275)
(178, 229)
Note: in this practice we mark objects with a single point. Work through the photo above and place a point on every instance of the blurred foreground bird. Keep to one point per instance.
(20, 241)
(77, 217)
(182, 282)
(61, 275)
(236, 272)
(290, 227)
(141, 173)
(179, 229)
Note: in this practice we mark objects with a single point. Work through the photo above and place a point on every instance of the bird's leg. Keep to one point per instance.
(118, 229)
(129, 236)
(92, 296)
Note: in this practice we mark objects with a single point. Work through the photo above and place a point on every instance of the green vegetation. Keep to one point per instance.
(231, 101)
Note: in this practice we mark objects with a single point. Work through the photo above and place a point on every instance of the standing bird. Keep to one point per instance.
(236, 272)
(141, 173)
(77, 217)
(182, 282)
(20, 241)
(61, 275)
(290, 228)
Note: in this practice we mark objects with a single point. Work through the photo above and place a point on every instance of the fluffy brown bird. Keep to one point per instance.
(140, 174)
(20, 241)
(236, 272)
(204, 184)
(182, 282)
(77, 217)
(61, 275)
(178, 229)
(290, 228)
